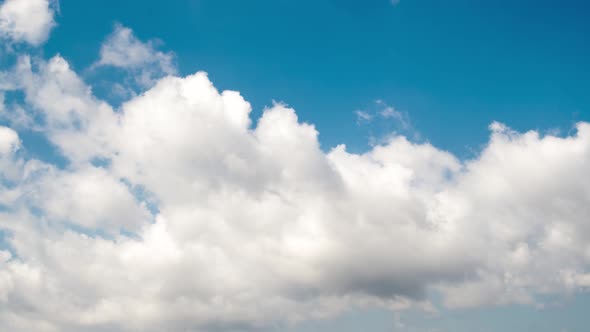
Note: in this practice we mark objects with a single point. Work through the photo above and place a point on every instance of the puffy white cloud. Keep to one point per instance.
(26, 20)
(123, 49)
(90, 198)
(9, 141)
(252, 226)
(10, 164)
(530, 200)
(69, 115)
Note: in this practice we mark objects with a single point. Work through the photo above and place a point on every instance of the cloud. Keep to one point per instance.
(64, 196)
(383, 121)
(122, 49)
(389, 112)
(9, 141)
(65, 109)
(385, 112)
(26, 20)
(363, 116)
(175, 212)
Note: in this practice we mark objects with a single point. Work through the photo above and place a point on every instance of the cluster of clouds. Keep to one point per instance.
(175, 213)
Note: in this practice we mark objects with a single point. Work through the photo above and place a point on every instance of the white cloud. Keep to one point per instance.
(9, 141)
(10, 168)
(363, 116)
(384, 122)
(90, 198)
(26, 20)
(70, 116)
(123, 49)
(257, 226)
(389, 112)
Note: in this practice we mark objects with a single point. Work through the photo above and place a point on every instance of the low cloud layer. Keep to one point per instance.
(174, 212)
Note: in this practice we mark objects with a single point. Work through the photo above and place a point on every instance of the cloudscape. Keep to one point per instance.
(139, 194)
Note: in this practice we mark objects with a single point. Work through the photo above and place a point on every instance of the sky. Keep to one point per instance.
(328, 165)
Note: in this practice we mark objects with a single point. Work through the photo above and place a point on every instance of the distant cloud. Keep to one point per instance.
(124, 50)
(383, 120)
(363, 117)
(26, 20)
(389, 112)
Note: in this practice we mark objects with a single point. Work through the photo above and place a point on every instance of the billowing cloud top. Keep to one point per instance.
(175, 213)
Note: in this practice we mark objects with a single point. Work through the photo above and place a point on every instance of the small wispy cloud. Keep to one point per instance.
(122, 49)
(382, 110)
(389, 112)
(363, 117)
(383, 120)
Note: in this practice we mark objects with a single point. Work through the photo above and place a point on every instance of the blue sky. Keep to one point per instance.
(463, 64)
(459, 202)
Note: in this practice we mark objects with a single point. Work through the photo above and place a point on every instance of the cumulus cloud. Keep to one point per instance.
(9, 141)
(122, 49)
(194, 219)
(26, 20)
(9, 144)
(67, 112)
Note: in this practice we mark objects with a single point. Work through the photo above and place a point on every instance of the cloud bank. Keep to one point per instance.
(174, 212)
